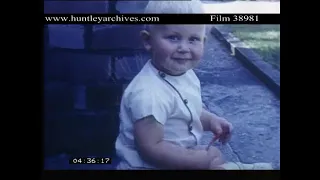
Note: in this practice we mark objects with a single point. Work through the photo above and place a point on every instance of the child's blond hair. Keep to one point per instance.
(173, 7)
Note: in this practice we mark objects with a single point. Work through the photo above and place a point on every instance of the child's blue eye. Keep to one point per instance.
(194, 39)
(173, 38)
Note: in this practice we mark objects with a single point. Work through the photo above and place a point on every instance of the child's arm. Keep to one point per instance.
(154, 150)
(206, 118)
(219, 126)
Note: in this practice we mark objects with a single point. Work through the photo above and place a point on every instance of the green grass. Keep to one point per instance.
(263, 39)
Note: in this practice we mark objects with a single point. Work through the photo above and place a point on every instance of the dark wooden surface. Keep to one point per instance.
(118, 37)
(81, 133)
(74, 7)
(92, 131)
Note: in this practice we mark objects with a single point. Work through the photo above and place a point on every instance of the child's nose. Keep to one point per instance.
(183, 47)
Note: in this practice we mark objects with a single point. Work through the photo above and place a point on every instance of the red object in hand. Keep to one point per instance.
(212, 141)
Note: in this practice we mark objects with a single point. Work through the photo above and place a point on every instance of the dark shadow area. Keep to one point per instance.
(74, 7)
(106, 38)
(83, 89)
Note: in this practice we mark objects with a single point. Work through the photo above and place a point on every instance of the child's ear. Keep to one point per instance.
(145, 35)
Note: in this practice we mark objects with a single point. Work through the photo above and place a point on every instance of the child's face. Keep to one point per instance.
(176, 48)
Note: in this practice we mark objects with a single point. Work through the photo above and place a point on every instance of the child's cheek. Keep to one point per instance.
(198, 53)
(161, 53)
(164, 52)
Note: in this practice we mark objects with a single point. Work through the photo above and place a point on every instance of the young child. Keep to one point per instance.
(161, 116)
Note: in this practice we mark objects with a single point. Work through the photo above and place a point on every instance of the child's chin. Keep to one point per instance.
(178, 68)
(181, 70)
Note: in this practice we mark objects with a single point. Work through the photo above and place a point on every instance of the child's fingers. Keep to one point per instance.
(227, 128)
(227, 131)
(217, 130)
(224, 139)
(212, 141)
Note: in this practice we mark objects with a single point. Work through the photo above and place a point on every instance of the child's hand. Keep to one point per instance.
(216, 158)
(221, 128)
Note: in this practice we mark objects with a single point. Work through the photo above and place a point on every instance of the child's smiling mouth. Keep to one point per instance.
(181, 59)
